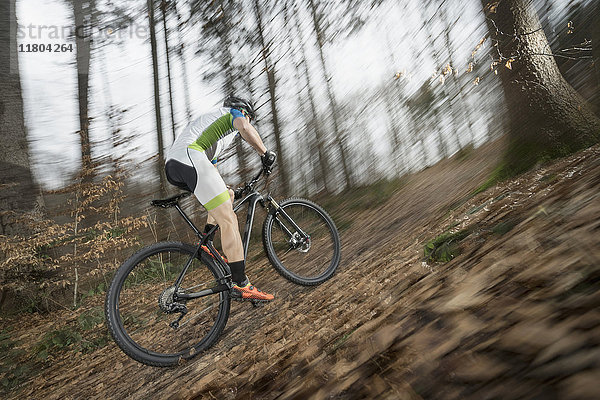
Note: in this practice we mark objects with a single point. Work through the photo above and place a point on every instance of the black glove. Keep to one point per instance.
(268, 159)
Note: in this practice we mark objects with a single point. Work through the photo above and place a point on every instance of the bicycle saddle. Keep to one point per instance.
(171, 201)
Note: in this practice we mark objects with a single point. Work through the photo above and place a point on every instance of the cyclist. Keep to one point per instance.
(191, 165)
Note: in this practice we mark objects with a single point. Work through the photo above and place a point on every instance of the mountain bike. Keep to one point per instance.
(170, 301)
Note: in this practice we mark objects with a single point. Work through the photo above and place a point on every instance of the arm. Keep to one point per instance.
(250, 134)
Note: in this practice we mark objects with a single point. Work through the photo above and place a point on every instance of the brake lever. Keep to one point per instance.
(238, 193)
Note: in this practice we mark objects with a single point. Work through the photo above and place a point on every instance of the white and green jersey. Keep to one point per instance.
(189, 161)
(211, 133)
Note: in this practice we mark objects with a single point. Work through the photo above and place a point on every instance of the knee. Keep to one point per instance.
(230, 216)
(231, 195)
(224, 214)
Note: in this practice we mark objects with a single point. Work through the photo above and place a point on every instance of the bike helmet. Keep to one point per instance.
(240, 104)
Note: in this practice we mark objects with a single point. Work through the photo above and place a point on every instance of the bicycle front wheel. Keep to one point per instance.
(302, 242)
(142, 308)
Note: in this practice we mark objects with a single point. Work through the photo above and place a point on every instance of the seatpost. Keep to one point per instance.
(190, 223)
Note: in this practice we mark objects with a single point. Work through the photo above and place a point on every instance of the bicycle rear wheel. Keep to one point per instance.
(305, 260)
(140, 305)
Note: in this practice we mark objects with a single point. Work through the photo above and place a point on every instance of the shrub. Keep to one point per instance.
(59, 257)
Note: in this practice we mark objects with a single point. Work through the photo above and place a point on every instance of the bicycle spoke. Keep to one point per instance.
(198, 314)
(147, 306)
(206, 285)
(307, 249)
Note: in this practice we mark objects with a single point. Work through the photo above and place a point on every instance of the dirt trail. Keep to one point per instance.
(515, 316)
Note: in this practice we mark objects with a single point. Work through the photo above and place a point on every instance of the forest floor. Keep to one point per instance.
(515, 315)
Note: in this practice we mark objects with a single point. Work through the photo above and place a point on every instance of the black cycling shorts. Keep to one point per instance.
(181, 175)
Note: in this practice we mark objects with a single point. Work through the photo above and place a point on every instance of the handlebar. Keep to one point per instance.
(248, 186)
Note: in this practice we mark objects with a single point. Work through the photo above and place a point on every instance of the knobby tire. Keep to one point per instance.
(133, 296)
(307, 267)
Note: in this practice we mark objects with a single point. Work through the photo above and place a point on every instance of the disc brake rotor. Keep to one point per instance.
(300, 244)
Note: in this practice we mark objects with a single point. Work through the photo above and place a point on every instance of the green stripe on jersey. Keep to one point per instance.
(213, 132)
(217, 201)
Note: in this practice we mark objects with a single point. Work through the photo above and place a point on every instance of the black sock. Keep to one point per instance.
(238, 272)
(207, 228)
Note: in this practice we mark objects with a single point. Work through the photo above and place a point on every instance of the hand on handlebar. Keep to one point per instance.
(268, 160)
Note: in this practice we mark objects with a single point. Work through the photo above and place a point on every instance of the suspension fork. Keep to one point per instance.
(276, 210)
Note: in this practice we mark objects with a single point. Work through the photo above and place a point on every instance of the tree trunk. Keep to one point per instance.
(305, 165)
(228, 85)
(163, 6)
(393, 96)
(394, 133)
(314, 126)
(442, 146)
(83, 13)
(464, 113)
(241, 149)
(161, 155)
(548, 118)
(184, 75)
(338, 135)
(312, 181)
(17, 188)
(417, 116)
(110, 108)
(596, 51)
(271, 78)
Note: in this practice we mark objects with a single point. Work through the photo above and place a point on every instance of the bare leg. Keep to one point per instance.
(210, 219)
(231, 241)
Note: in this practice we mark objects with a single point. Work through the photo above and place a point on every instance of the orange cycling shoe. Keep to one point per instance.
(249, 292)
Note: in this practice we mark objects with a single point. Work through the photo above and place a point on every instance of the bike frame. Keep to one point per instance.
(253, 198)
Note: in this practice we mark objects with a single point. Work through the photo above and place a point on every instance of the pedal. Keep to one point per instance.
(258, 303)
(254, 302)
